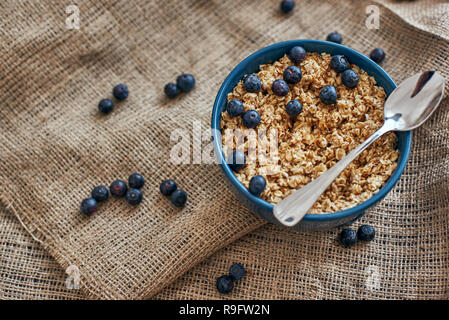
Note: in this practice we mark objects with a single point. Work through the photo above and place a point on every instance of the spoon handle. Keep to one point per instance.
(293, 208)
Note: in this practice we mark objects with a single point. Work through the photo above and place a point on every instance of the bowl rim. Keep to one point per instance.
(215, 126)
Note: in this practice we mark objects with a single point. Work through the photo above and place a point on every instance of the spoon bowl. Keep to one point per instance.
(414, 101)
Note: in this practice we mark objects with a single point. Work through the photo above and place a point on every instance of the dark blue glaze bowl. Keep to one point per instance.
(270, 54)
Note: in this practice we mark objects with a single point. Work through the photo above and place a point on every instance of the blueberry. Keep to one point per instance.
(178, 198)
(252, 83)
(120, 91)
(293, 108)
(134, 196)
(366, 233)
(334, 37)
(297, 54)
(118, 188)
(350, 78)
(339, 63)
(257, 185)
(237, 271)
(280, 87)
(348, 237)
(136, 181)
(328, 95)
(235, 107)
(236, 160)
(171, 90)
(292, 74)
(167, 187)
(106, 105)
(185, 82)
(287, 5)
(100, 193)
(377, 55)
(251, 119)
(225, 284)
(89, 206)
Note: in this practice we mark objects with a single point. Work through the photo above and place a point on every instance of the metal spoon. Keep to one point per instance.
(407, 107)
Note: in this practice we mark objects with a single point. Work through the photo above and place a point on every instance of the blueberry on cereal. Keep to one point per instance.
(292, 74)
(236, 160)
(252, 83)
(257, 185)
(339, 63)
(280, 87)
(328, 95)
(293, 108)
(297, 54)
(235, 107)
(251, 119)
(350, 78)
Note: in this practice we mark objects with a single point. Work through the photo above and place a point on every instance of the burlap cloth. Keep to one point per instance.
(54, 147)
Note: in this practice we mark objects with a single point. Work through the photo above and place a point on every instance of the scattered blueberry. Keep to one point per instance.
(348, 237)
(178, 198)
(287, 5)
(377, 55)
(251, 119)
(167, 187)
(350, 78)
(171, 90)
(185, 82)
(235, 107)
(236, 160)
(280, 87)
(366, 233)
(252, 83)
(339, 63)
(136, 181)
(334, 37)
(118, 188)
(100, 193)
(328, 95)
(134, 196)
(297, 54)
(89, 206)
(237, 271)
(105, 105)
(225, 284)
(293, 108)
(257, 185)
(292, 74)
(120, 91)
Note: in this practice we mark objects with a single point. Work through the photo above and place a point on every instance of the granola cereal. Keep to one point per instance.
(318, 137)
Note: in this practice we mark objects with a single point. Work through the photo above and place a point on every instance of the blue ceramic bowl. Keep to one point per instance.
(271, 54)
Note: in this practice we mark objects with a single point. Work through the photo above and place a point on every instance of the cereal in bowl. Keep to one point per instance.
(311, 129)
